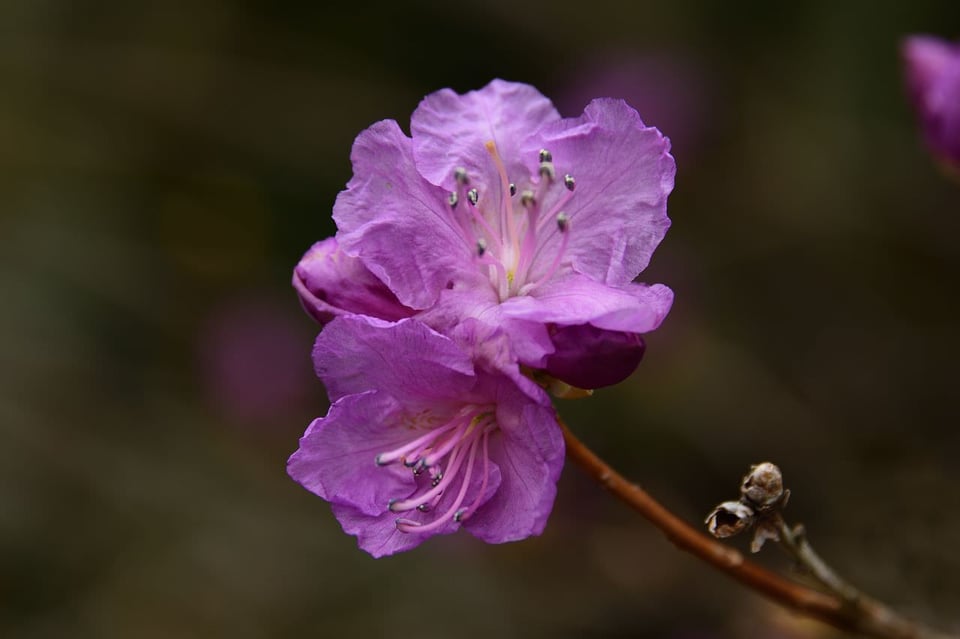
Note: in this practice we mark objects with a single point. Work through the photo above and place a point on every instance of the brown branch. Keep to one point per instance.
(864, 616)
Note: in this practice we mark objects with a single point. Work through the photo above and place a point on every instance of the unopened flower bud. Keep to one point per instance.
(729, 518)
(763, 485)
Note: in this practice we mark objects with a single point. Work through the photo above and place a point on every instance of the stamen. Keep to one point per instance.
(508, 229)
(473, 196)
(513, 189)
(422, 442)
(546, 156)
(454, 510)
(486, 480)
(481, 247)
(547, 171)
(528, 199)
(453, 200)
(569, 182)
(456, 461)
(563, 225)
(460, 175)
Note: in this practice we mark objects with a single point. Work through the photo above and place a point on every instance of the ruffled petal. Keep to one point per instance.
(530, 343)
(624, 173)
(575, 299)
(529, 451)
(377, 535)
(407, 360)
(398, 223)
(337, 455)
(331, 283)
(451, 130)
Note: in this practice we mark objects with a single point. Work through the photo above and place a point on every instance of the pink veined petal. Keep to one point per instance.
(398, 223)
(337, 455)
(450, 131)
(331, 283)
(530, 342)
(575, 299)
(406, 359)
(377, 535)
(624, 173)
(529, 453)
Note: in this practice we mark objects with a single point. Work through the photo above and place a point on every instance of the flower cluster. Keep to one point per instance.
(495, 245)
(933, 81)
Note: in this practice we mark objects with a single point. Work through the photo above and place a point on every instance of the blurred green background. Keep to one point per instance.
(164, 165)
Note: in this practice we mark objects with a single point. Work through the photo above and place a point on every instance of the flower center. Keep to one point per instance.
(446, 455)
(507, 232)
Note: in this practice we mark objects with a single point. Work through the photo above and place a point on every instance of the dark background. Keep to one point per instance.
(164, 165)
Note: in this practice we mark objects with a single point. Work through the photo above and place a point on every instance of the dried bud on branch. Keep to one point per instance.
(762, 487)
(729, 518)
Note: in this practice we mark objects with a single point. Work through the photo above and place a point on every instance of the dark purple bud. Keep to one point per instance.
(590, 357)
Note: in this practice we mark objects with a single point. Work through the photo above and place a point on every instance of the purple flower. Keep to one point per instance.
(498, 209)
(422, 439)
(933, 80)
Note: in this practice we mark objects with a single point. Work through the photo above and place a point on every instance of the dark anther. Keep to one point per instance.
(513, 189)
(527, 199)
(460, 175)
(563, 222)
(546, 156)
(453, 200)
(481, 247)
(569, 182)
(473, 196)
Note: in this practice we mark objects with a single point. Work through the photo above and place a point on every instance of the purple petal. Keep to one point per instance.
(530, 342)
(529, 451)
(337, 455)
(377, 535)
(589, 357)
(451, 130)
(574, 299)
(399, 224)
(331, 283)
(624, 173)
(407, 360)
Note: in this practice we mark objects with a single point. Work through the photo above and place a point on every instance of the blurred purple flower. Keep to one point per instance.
(932, 68)
(422, 439)
(497, 209)
(252, 361)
